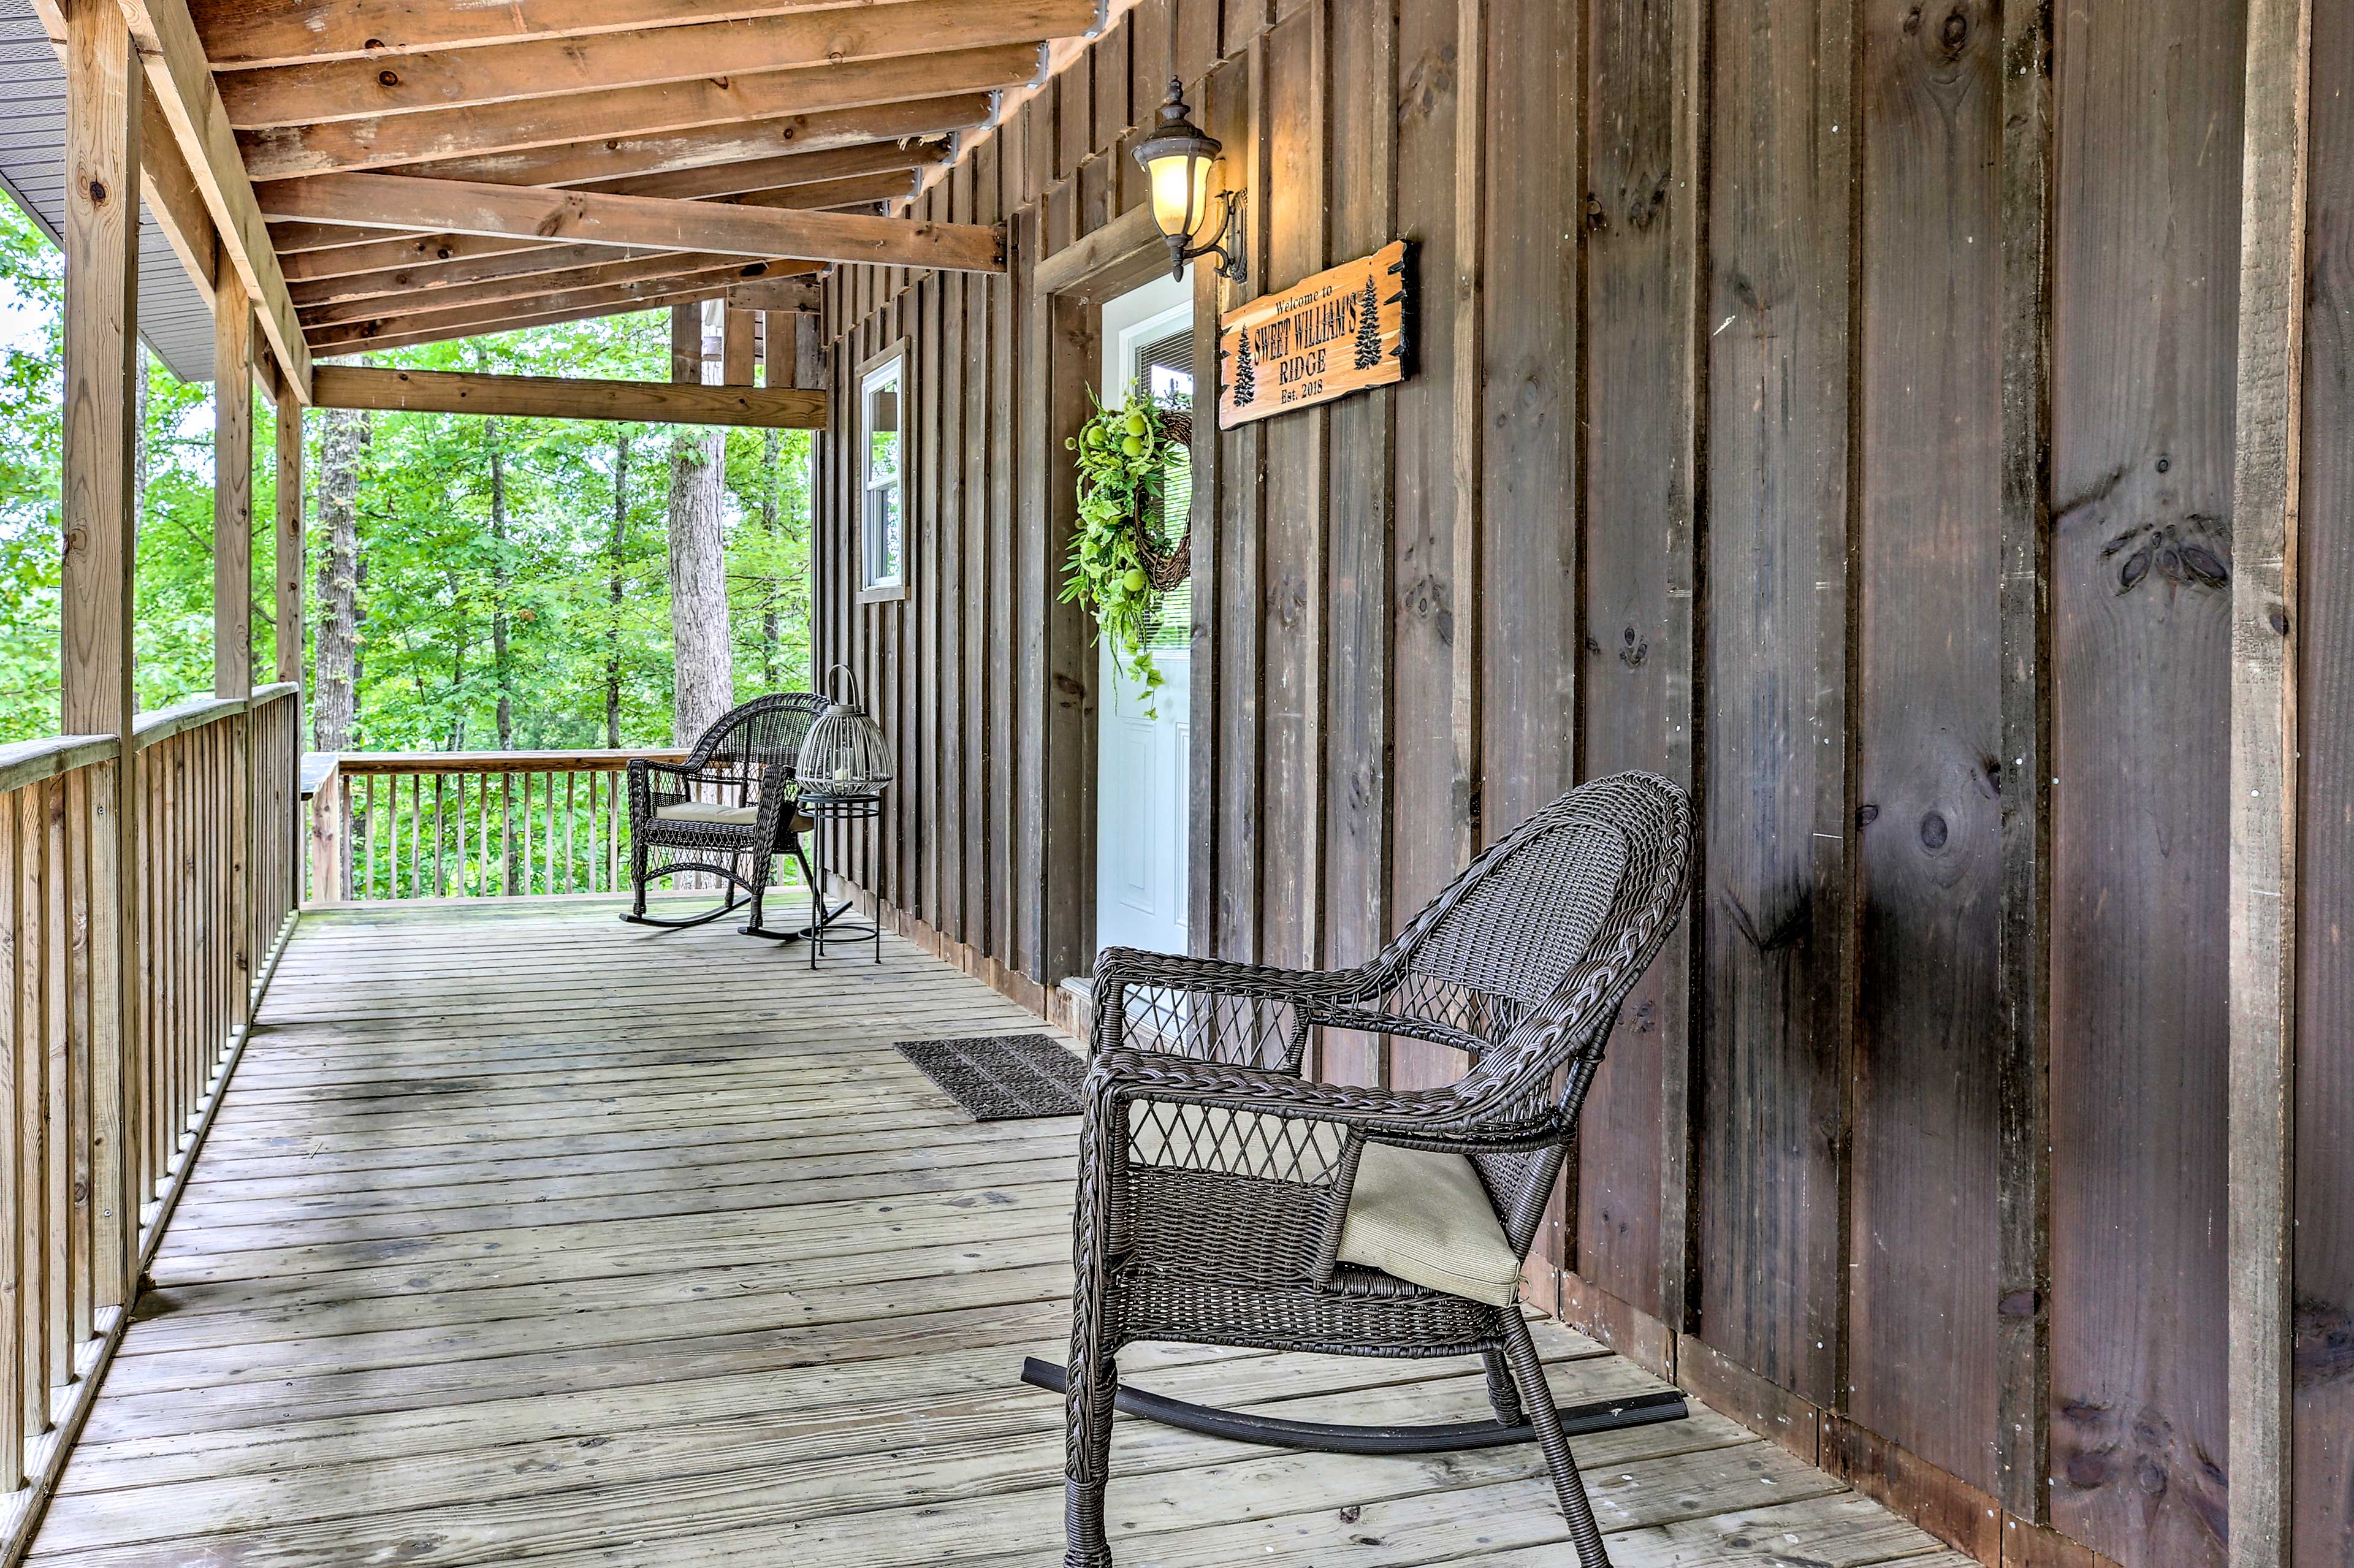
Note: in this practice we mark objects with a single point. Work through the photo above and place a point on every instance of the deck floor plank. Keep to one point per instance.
(527, 1236)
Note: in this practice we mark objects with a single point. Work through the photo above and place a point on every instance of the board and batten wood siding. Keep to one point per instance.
(1829, 405)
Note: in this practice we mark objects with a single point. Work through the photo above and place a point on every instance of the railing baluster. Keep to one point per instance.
(58, 1154)
(32, 1059)
(13, 979)
(79, 1118)
(392, 836)
(176, 919)
(368, 831)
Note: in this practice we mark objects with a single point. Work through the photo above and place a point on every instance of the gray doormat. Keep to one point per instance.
(1001, 1078)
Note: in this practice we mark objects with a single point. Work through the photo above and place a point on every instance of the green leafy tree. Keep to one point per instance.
(553, 527)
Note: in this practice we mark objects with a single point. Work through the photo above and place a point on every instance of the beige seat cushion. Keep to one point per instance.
(1426, 1217)
(732, 816)
(704, 811)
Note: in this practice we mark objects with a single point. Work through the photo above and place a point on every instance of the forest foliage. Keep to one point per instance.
(432, 577)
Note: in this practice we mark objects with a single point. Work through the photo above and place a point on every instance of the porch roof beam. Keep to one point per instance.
(775, 294)
(601, 271)
(549, 398)
(458, 207)
(598, 159)
(724, 180)
(183, 83)
(620, 296)
(276, 32)
(444, 332)
(526, 270)
(315, 92)
(514, 274)
(386, 140)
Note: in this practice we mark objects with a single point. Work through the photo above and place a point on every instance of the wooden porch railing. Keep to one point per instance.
(90, 1113)
(473, 824)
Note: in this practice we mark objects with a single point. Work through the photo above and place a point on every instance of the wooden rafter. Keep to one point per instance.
(398, 201)
(603, 273)
(536, 397)
(414, 251)
(785, 169)
(771, 173)
(395, 139)
(466, 320)
(594, 267)
(320, 91)
(444, 334)
(596, 159)
(774, 294)
(266, 32)
(173, 197)
(182, 80)
(522, 270)
(293, 239)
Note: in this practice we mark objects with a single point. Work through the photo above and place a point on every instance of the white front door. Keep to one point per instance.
(1142, 748)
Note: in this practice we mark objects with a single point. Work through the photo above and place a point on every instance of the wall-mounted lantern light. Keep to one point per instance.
(1176, 159)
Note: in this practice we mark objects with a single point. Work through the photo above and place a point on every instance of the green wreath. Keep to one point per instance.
(1123, 459)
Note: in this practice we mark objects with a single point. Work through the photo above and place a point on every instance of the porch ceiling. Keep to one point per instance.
(175, 318)
(814, 115)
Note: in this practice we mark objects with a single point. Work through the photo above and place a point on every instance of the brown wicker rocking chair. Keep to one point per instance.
(725, 811)
(1224, 1199)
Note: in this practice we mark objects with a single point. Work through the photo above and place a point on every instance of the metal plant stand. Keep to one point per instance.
(832, 924)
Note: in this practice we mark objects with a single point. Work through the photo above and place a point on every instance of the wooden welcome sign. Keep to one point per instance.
(1339, 332)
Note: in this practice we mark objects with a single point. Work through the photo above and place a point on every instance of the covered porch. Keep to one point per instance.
(1851, 412)
(525, 1235)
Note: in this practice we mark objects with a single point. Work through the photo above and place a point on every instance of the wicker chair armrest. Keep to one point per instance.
(1134, 966)
(643, 792)
(1211, 1009)
(1370, 1021)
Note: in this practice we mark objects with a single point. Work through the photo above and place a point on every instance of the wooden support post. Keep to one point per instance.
(327, 838)
(736, 346)
(292, 569)
(103, 89)
(808, 350)
(232, 488)
(292, 575)
(2264, 626)
(233, 607)
(686, 342)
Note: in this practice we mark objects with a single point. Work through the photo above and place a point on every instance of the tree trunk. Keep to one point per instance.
(769, 444)
(499, 671)
(614, 556)
(705, 686)
(343, 431)
(465, 634)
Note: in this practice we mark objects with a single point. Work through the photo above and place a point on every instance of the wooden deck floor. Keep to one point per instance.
(523, 1235)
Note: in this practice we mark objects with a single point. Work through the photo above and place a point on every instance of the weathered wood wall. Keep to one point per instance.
(1733, 321)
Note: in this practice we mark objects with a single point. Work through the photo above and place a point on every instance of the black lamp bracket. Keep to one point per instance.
(1228, 246)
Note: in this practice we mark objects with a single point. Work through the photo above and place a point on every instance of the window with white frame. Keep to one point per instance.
(881, 531)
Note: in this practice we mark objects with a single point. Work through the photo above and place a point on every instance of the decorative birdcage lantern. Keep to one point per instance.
(845, 752)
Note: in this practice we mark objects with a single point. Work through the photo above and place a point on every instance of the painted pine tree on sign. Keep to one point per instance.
(1369, 324)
